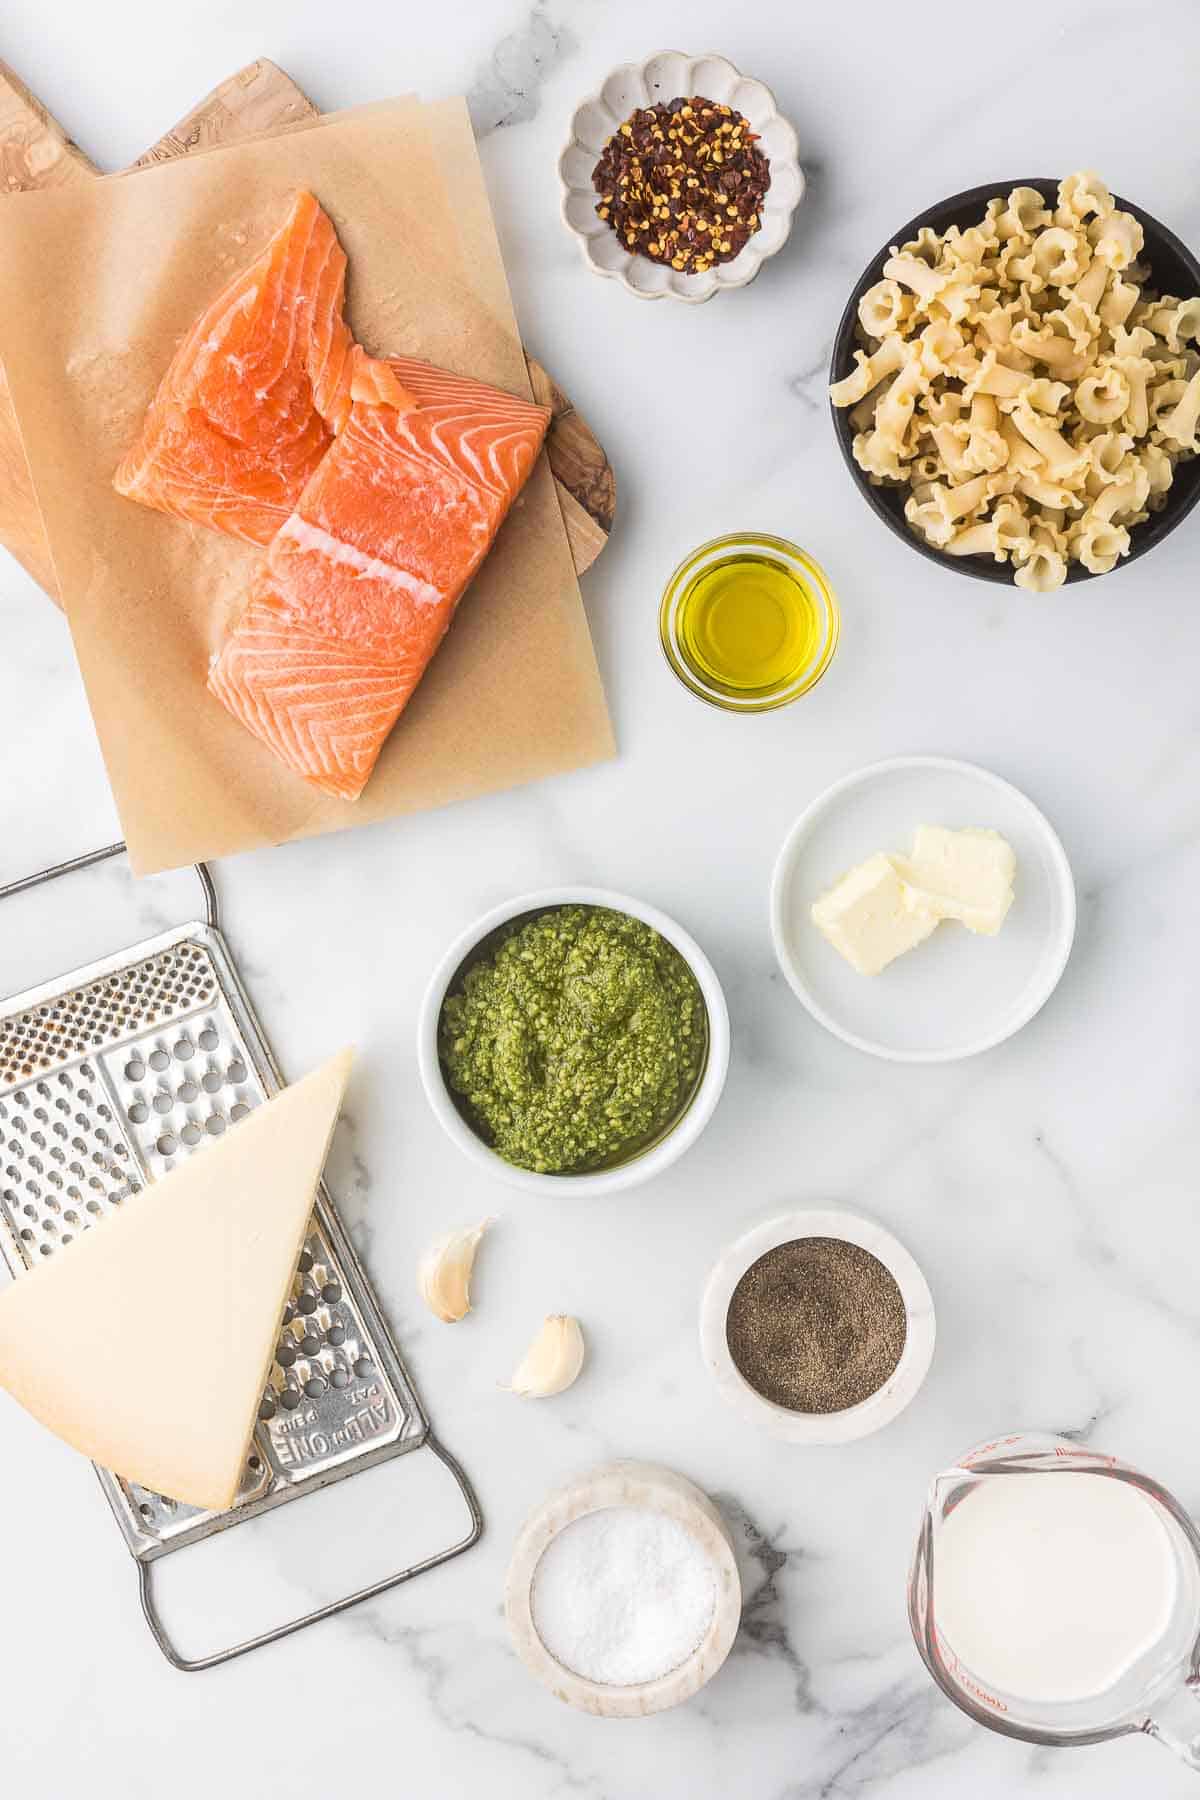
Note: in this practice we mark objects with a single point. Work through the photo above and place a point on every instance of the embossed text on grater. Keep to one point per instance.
(108, 1078)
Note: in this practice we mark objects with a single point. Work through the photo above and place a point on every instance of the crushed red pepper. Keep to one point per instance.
(683, 183)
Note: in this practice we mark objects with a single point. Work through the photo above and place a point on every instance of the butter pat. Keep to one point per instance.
(871, 918)
(964, 875)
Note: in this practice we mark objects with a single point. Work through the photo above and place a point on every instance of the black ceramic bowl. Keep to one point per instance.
(1173, 270)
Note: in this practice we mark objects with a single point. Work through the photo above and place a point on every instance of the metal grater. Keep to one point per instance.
(109, 1076)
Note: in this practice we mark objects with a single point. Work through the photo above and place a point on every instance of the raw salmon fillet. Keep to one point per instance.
(361, 581)
(256, 391)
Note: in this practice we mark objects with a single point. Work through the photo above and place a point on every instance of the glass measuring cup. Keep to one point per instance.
(1156, 1694)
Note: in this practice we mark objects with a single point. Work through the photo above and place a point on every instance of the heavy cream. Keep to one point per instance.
(1051, 1587)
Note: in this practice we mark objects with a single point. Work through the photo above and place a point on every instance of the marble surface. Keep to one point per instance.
(1047, 1189)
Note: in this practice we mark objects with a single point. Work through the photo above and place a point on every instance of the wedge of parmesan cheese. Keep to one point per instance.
(147, 1342)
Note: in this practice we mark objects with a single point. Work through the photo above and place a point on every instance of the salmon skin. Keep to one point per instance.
(361, 581)
(255, 393)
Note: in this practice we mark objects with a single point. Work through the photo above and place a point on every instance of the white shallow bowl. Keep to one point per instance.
(664, 77)
(625, 1484)
(877, 1409)
(957, 993)
(605, 1181)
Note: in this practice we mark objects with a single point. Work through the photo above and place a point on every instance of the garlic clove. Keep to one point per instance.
(552, 1361)
(444, 1272)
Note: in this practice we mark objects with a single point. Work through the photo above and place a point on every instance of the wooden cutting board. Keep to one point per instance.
(35, 153)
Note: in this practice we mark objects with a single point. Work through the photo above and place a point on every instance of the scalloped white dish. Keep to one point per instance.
(664, 77)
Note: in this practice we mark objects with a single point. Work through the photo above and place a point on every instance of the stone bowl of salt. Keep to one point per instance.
(623, 1595)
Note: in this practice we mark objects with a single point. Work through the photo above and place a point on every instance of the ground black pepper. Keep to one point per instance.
(816, 1325)
(683, 183)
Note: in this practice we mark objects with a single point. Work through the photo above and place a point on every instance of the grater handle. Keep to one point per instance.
(333, 1607)
(89, 861)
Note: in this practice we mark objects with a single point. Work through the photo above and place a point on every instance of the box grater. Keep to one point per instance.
(109, 1076)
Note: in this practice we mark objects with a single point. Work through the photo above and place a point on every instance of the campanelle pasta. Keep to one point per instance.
(1024, 385)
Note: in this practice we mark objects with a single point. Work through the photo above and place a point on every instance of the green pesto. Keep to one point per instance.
(576, 1040)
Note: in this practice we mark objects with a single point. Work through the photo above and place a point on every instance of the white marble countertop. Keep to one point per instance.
(1047, 1189)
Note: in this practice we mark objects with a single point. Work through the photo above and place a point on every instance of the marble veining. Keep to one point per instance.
(507, 87)
(810, 385)
(767, 1561)
(1047, 1190)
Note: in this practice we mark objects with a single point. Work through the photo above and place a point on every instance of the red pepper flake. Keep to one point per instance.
(683, 183)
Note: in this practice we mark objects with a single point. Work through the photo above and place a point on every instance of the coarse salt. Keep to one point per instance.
(623, 1595)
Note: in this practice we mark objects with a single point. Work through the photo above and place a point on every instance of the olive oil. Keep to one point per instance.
(749, 622)
(748, 625)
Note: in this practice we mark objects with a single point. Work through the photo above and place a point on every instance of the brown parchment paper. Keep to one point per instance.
(96, 287)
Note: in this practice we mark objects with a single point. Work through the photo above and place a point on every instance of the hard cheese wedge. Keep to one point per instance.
(146, 1344)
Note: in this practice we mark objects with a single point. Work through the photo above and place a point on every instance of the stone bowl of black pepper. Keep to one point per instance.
(817, 1326)
(680, 177)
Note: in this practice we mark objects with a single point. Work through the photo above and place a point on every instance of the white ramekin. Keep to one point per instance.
(625, 1484)
(877, 1409)
(639, 1169)
(972, 1015)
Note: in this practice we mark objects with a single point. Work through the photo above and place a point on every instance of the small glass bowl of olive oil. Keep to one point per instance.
(749, 622)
